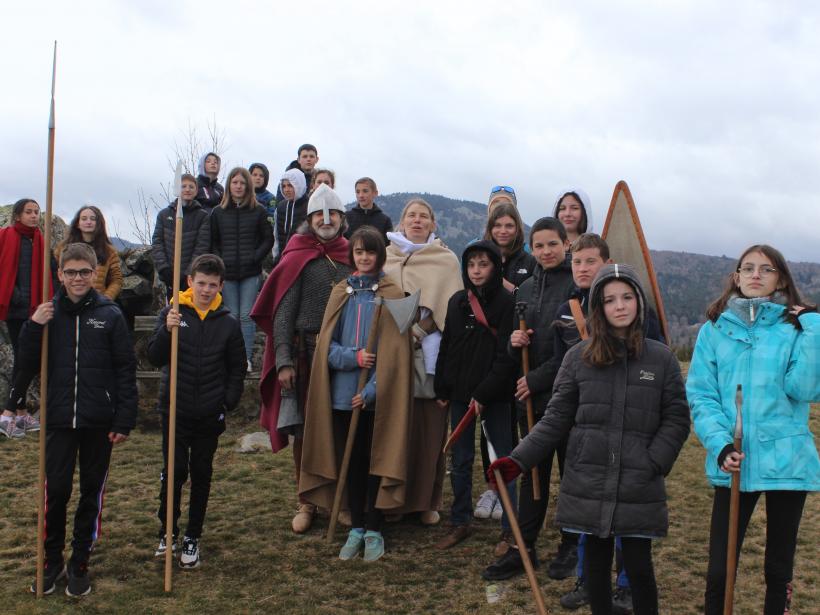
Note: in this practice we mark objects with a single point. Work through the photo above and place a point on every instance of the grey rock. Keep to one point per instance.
(254, 442)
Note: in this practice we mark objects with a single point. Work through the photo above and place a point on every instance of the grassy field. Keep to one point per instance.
(253, 563)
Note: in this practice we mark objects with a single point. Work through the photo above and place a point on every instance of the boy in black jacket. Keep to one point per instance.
(92, 405)
(210, 374)
(473, 367)
(366, 212)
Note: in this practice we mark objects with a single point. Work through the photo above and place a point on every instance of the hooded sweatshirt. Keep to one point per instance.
(263, 195)
(585, 204)
(472, 360)
(210, 190)
(290, 214)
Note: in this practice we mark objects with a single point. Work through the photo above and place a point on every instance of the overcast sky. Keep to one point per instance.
(709, 110)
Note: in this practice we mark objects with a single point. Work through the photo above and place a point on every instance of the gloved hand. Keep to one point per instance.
(508, 468)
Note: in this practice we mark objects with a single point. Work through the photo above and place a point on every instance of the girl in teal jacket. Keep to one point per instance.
(762, 336)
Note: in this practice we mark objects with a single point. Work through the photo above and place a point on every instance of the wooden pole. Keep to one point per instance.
(506, 503)
(351, 432)
(525, 368)
(172, 384)
(41, 479)
(734, 511)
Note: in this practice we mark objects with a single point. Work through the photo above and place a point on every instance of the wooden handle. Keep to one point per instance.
(731, 543)
(525, 368)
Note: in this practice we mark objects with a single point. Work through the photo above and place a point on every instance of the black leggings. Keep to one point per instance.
(362, 487)
(783, 512)
(637, 555)
(20, 379)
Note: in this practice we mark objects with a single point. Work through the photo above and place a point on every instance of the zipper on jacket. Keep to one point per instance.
(76, 366)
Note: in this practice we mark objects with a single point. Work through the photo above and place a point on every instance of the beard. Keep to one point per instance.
(326, 233)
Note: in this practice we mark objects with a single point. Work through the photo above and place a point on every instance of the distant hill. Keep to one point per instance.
(689, 282)
(123, 244)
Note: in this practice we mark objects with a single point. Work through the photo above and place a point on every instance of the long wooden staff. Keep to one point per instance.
(506, 503)
(525, 368)
(351, 432)
(734, 511)
(172, 404)
(41, 480)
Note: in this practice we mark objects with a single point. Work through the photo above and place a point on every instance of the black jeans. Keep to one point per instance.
(362, 486)
(637, 556)
(783, 512)
(20, 379)
(62, 449)
(193, 455)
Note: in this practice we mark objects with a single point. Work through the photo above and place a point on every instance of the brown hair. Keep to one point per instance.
(785, 282)
(368, 181)
(249, 200)
(208, 264)
(19, 207)
(78, 251)
(505, 209)
(100, 242)
(318, 172)
(583, 223)
(371, 240)
(187, 177)
(604, 347)
(590, 240)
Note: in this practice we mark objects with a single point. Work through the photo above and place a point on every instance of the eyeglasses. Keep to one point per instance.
(495, 189)
(764, 271)
(72, 274)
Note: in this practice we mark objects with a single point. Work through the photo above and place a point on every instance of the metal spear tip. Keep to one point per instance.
(490, 449)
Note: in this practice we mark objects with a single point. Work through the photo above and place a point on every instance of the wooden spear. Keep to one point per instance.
(734, 511)
(41, 486)
(172, 383)
(516, 530)
(525, 368)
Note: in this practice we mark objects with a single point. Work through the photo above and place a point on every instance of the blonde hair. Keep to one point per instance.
(249, 200)
(410, 203)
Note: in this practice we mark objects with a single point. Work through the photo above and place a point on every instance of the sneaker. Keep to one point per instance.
(576, 598)
(789, 590)
(486, 503)
(161, 548)
(10, 429)
(429, 517)
(564, 564)
(78, 583)
(190, 553)
(498, 510)
(622, 601)
(304, 518)
(504, 542)
(508, 565)
(373, 546)
(28, 423)
(51, 574)
(354, 544)
(454, 536)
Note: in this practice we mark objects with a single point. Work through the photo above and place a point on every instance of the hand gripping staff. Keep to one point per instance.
(525, 368)
(41, 479)
(172, 403)
(403, 312)
(734, 511)
(516, 530)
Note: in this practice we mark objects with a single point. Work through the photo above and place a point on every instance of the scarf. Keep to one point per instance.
(10, 239)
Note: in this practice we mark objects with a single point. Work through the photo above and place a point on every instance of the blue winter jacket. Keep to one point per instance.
(349, 337)
(779, 369)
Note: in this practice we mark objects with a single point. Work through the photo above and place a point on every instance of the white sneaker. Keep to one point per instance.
(190, 553)
(486, 503)
(498, 509)
(161, 548)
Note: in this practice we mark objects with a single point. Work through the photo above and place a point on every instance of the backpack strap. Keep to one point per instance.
(478, 312)
(578, 315)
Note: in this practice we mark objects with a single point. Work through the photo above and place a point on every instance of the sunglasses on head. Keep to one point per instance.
(502, 189)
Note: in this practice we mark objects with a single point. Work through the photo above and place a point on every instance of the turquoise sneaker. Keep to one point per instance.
(355, 540)
(373, 546)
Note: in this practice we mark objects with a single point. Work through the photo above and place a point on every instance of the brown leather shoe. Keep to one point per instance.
(504, 543)
(455, 536)
(304, 518)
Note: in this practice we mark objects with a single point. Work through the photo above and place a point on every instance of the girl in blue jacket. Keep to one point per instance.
(760, 335)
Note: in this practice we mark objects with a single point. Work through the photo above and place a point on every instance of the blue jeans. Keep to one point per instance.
(239, 297)
(623, 580)
(497, 418)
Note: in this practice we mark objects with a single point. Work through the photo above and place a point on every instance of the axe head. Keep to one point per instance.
(403, 310)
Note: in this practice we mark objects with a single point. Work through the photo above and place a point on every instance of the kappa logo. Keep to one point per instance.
(97, 324)
(182, 323)
(645, 375)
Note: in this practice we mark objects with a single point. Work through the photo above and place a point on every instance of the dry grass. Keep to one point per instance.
(252, 562)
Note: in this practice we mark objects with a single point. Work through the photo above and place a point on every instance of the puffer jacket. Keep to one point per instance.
(92, 378)
(196, 239)
(627, 423)
(243, 237)
(212, 363)
(472, 361)
(778, 367)
(20, 302)
(519, 267)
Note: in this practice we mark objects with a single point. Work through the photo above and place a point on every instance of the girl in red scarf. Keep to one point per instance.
(21, 291)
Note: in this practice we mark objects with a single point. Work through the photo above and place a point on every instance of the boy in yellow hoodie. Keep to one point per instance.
(210, 374)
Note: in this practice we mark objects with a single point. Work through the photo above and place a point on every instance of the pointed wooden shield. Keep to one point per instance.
(627, 244)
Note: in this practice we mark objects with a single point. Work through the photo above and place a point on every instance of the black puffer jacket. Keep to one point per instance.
(543, 293)
(92, 378)
(472, 362)
(20, 302)
(375, 217)
(243, 237)
(196, 238)
(212, 363)
(210, 192)
(289, 215)
(519, 267)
